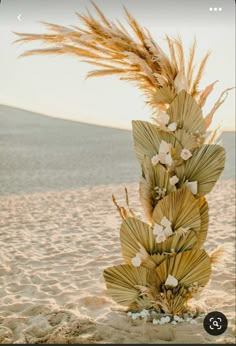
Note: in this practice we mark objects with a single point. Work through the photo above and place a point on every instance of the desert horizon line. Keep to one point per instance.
(85, 122)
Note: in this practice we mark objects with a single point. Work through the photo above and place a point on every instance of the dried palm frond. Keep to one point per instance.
(122, 282)
(185, 111)
(181, 209)
(189, 268)
(205, 166)
(135, 234)
(202, 234)
(147, 139)
(153, 177)
(153, 261)
(187, 140)
(178, 242)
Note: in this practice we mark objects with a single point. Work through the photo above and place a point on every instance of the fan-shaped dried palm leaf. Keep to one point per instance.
(171, 301)
(135, 234)
(185, 111)
(189, 268)
(163, 96)
(205, 166)
(147, 139)
(153, 261)
(153, 177)
(181, 209)
(204, 221)
(122, 282)
(187, 140)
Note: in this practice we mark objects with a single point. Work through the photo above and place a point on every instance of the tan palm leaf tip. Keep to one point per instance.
(185, 111)
(123, 283)
(203, 169)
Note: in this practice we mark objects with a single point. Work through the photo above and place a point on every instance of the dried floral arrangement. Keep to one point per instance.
(165, 263)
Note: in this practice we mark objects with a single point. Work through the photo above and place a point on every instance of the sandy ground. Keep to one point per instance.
(54, 247)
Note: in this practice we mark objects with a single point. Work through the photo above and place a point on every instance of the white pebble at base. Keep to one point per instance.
(167, 319)
(155, 322)
(129, 313)
(173, 322)
(176, 318)
(135, 316)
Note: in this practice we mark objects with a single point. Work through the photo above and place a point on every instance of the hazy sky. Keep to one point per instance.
(56, 85)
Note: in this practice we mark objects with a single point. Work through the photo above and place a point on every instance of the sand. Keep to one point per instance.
(54, 247)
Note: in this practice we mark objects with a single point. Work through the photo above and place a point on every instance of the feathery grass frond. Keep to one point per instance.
(209, 117)
(131, 52)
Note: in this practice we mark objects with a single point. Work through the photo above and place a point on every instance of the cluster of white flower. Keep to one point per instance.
(162, 231)
(163, 120)
(171, 281)
(164, 155)
(143, 314)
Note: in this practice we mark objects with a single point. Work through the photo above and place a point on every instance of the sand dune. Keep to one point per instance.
(54, 247)
(40, 153)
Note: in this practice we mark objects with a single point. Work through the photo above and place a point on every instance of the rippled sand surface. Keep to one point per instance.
(54, 247)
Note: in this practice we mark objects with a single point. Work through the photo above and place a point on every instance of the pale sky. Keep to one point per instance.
(56, 85)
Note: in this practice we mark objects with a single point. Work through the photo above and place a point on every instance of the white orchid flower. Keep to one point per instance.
(165, 222)
(155, 159)
(158, 229)
(172, 126)
(171, 281)
(163, 118)
(192, 186)
(160, 238)
(168, 231)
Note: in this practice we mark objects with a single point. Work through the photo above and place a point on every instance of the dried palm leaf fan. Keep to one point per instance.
(165, 265)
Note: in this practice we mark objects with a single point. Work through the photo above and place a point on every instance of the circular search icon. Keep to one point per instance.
(215, 323)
